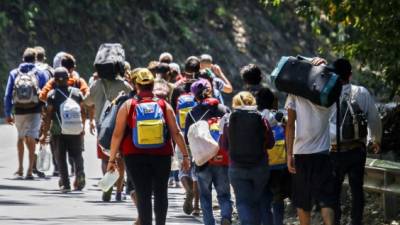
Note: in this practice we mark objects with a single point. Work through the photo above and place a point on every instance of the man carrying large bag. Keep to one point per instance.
(109, 64)
(312, 90)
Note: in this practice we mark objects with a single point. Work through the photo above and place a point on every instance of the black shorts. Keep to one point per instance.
(313, 182)
(279, 184)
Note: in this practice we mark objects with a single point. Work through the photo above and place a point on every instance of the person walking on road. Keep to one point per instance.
(215, 171)
(248, 169)
(308, 143)
(102, 92)
(22, 108)
(144, 130)
(350, 158)
(65, 113)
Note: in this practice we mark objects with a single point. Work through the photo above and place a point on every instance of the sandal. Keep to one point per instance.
(29, 177)
(19, 175)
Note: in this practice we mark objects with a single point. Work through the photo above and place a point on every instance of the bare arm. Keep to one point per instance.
(228, 86)
(290, 131)
(46, 123)
(118, 134)
(177, 136)
(91, 110)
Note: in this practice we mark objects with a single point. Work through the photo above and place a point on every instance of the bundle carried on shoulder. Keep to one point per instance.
(298, 76)
(109, 61)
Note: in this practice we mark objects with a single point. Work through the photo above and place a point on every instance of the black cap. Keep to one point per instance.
(60, 73)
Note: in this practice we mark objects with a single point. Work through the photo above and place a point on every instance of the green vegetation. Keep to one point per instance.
(366, 31)
(221, 28)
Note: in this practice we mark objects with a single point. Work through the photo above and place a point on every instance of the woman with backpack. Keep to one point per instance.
(247, 135)
(143, 131)
(214, 171)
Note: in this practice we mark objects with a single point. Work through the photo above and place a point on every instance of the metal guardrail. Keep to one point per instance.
(383, 177)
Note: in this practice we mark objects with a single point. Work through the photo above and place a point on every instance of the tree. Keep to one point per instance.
(366, 31)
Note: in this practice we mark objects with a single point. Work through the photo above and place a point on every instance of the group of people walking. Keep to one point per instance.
(264, 153)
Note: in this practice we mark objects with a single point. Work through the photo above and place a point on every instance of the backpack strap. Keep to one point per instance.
(338, 133)
(59, 91)
(104, 90)
(191, 116)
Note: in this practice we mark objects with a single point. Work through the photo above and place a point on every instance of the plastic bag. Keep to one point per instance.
(43, 160)
(108, 180)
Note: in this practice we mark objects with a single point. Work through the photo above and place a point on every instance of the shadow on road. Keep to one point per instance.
(13, 203)
(71, 220)
(20, 188)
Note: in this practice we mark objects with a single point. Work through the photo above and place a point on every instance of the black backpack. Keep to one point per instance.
(319, 84)
(107, 120)
(353, 121)
(246, 138)
(109, 62)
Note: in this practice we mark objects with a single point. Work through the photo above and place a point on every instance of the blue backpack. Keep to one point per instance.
(149, 130)
(184, 105)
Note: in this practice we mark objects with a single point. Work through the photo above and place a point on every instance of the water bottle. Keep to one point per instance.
(43, 160)
(108, 180)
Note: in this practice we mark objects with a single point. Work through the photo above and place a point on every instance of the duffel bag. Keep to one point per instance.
(297, 76)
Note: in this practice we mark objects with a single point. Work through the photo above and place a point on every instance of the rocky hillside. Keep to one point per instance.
(234, 32)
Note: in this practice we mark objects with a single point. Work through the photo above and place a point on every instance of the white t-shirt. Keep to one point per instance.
(312, 126)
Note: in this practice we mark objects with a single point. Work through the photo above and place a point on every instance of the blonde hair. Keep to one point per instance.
(243, 98)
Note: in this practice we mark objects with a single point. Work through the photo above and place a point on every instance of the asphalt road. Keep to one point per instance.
(40, 202)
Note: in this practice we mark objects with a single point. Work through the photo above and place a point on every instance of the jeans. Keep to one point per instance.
(248, 185)
(352, 163)
(217, 175)
(150, 174)
(73, 145)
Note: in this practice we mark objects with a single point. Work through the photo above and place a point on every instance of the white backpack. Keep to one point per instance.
(26, 89)
(71, 118)
(202, 145)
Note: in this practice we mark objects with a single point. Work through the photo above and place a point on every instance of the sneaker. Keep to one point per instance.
(65, 189)
(106, 197)
(188, 203)
(225, 221)
(79, 182)
(38, 173)
(56, 173)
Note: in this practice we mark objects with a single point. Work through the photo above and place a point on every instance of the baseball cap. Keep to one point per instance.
(144, 76)
(199, 86)
(60, 73)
